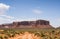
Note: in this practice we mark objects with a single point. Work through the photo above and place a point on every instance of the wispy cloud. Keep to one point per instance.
(3, 8)
(37, 11)
(4, 20)
(8, 17)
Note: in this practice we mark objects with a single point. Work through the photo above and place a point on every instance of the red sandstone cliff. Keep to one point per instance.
(28, 24)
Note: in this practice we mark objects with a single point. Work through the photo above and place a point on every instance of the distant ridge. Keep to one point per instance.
(28, 24)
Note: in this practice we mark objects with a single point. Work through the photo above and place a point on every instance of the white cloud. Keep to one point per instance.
(4, 20)
(3, 17)
(3, 8)
(37, 11)
(8, 17)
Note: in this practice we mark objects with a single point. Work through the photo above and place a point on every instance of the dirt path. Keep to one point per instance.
(26, 35)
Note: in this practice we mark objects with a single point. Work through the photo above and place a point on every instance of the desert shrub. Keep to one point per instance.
(5, 37)
(42, 35)
(1, 37)
(38, 34)
(53, 31)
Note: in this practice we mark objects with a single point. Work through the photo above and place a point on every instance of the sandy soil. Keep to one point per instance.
(26, 35)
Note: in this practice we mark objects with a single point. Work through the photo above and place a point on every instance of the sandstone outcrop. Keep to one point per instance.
(28, 24)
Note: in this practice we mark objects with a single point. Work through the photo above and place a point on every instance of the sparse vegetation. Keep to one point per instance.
(35, 33)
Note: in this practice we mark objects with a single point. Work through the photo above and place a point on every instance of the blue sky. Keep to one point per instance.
(18, 10)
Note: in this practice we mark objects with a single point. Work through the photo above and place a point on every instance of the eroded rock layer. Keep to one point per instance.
(28, 24)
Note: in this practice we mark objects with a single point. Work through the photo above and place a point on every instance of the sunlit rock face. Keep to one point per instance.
(29, 24)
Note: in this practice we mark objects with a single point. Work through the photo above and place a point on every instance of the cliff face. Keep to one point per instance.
(28, 24)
